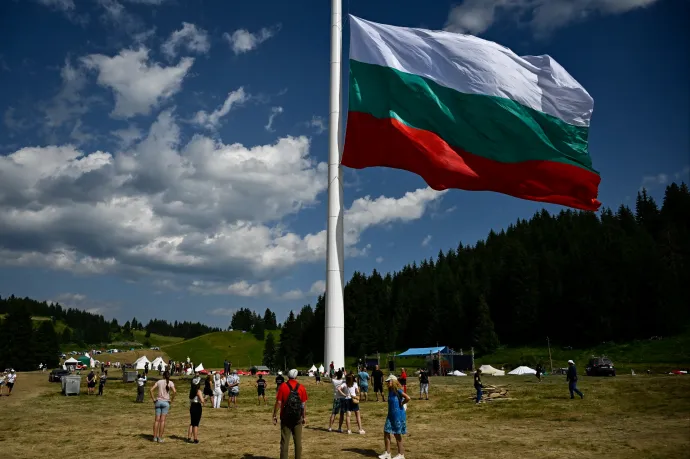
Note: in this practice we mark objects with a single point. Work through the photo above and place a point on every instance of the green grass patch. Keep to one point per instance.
(242, 349)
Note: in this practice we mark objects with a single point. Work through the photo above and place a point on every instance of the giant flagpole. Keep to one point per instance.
(334, 345)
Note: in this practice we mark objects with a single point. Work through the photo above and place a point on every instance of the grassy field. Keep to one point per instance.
(623, 417)
(213, 348)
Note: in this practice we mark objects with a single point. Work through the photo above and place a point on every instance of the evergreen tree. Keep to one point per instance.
(484, 339)
(66, 336)
(269, 358)
(46, 345)
(18, 348)
(258, 330)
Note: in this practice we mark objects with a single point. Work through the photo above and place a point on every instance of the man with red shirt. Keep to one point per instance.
(287, 428)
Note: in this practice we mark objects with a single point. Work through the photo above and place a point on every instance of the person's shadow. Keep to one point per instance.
(251, 456)
(362, 452)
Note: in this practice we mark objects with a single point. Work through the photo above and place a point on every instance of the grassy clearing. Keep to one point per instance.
(623, 417)
(213, 348)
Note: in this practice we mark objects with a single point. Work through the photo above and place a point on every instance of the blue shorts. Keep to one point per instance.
(162, 407)
(364, 388)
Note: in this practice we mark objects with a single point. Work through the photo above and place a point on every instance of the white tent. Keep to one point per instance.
(141, 362)
(313, 369)
(523, 371)
(199, 368)
(92, 363)
(158, 361)
(321, 369)
(71, 361)
(491, 371)
(458, 373)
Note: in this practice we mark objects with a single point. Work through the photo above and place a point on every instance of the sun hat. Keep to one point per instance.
(391, 378)
(570, 361)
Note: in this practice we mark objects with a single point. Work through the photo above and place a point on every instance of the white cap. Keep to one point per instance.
(570, 361)
(292, 374)
(391, 378)
(280, 373)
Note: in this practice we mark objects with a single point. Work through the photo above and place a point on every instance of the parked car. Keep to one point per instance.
(56, 375)
(600, 366)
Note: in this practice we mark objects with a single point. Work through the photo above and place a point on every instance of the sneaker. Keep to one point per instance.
(362, 432)
(399, 456)
(385, 455)
(330, 430)
(155, 439)
(196, 441)
(160, 440)
(349, 432)
(340, 430)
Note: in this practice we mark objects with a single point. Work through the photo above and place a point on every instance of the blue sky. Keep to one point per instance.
(166, 158)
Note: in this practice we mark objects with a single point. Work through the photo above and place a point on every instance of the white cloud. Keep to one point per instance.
(242, 41)
(127, 136)
(62, 5)
(476, 16)
(682, 174)
(203, 210)
(275, 111)
(69, 103)
(11, 122)
(211, 120)
(138, 85)
(189, 37)
(84, 303)
(318, 123)
(426, 240)
(68, 8)
(651, 181)
(316, 289)
(223, 312)
(379, 259)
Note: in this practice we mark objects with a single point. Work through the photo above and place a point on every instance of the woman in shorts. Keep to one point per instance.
(161, 402)
(350, 391)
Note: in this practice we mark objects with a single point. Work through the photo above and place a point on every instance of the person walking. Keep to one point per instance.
(423, 384)
(208, 391)
(396, 420)
(291, 403)
(377, 376)
(478, 385)
(10, 380)
(101, 382)
(363, 378)
(196, 401)
(539, 371)
(146, 368)
(350, 391)
(571, 377)
(339, 406)
(166, 395)
(279, 380)
(141, 387)
(261, 389)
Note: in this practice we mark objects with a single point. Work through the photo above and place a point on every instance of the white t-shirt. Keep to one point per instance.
(234, 379)
(11, 377)
(336, 385)
(141, 381)
(350, 391)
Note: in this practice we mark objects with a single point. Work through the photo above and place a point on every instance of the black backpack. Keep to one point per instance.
(292, 413)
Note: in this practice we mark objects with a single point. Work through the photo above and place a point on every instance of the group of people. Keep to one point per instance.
(7, 379)
(92, 379)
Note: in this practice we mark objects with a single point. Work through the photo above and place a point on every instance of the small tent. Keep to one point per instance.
(458, 373)
(491, 371)
(71, 362)
(84, 360)
(199, 368)
(313, 370)
(158, 361)
(141, 362)
(522, 370)
(321, 369)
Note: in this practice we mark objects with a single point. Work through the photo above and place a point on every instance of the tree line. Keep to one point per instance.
(22, 346)
(184, 330)
(577, 277)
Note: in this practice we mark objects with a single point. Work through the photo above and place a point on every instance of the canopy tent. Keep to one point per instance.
(71, 361)
(158, 361)
(199, 368)
(313, 369)
(491, 371)
(141, 362)
(321, 369)
(417, 351)
(522, 370)
(84, 360)
(458, 373)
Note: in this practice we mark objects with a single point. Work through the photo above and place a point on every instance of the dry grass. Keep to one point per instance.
(622, 417)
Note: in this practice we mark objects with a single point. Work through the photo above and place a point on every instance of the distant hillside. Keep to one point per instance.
(242, 349)
(59, 325)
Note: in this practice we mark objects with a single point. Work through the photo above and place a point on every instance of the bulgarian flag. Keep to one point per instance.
(467, 113)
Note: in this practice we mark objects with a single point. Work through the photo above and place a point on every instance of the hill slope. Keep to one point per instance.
(242, 349)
